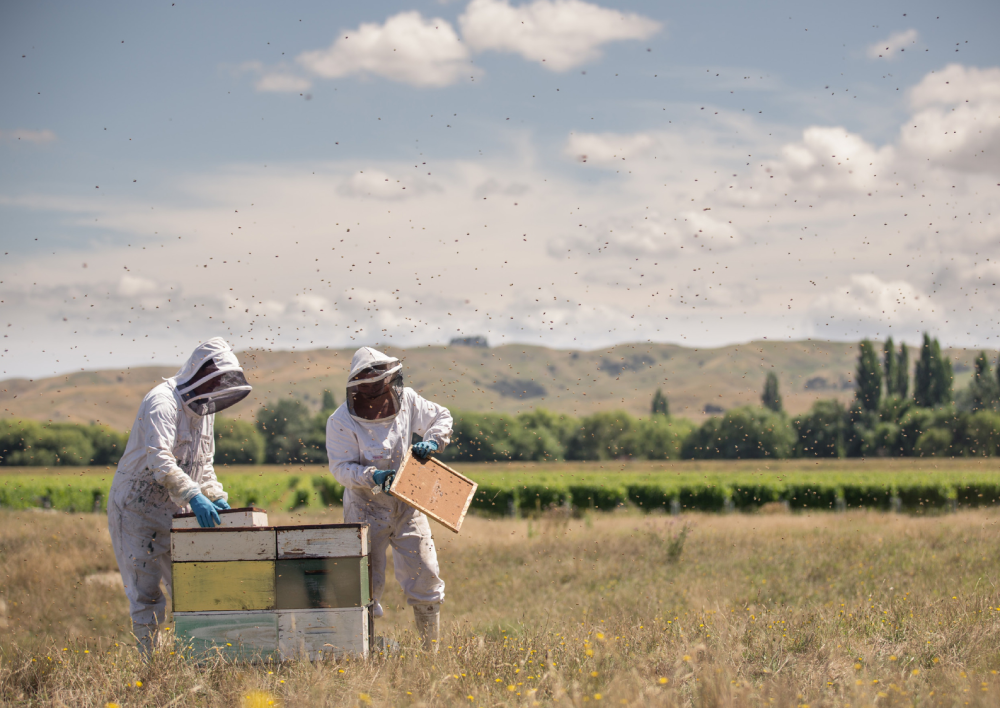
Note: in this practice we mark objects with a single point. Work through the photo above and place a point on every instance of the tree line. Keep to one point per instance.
(884, 419)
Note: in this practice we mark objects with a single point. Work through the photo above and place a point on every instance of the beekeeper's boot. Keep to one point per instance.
(146, 636)
(428, 618)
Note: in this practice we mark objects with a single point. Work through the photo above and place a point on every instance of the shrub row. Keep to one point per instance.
(287, 491)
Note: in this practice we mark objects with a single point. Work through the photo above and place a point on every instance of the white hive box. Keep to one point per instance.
(230, 518)
(314, 634)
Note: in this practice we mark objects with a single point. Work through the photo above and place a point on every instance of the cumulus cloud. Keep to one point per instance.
(378, 184)
(36, 137)
(282, 82)
(870, 306)
(830, 160)
(608, 149)
(275, 79)
(957, 123)
(407, 48)
(652, 236)
(560, 34)
(892, 46)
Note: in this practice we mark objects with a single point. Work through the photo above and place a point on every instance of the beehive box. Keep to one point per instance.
(272, 593)
(435, 489)
(229, 518)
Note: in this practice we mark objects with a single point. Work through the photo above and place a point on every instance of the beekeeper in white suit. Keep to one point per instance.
(167, 467)
(366, 439)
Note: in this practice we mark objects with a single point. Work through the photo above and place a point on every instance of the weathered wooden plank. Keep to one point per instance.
(322, 633)
(246, 636)
(226, 585)
(225, 544)
(321, 583)
(435, 489)
(327, 541)
(230, 518)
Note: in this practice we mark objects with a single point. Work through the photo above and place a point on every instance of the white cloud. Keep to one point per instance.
(956, 84)
(871, 306)
(133, 286)
(282, 82)
(561, 34)
(654, 235)
(36, 137)
(407, 49)
(892, 46)
(378, 184)
(958, 120)
(608, 149)
(276, 79)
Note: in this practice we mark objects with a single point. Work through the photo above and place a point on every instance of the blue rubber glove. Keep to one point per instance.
(205, 511)
(422, 450)
(383, 478)
(221, 504)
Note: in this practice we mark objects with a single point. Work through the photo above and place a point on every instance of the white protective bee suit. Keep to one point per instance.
(357, 448)
(167, 461)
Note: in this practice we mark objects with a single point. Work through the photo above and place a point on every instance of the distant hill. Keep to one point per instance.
(509, 378)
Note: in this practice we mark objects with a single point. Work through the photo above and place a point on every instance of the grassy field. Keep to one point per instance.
(757, 609)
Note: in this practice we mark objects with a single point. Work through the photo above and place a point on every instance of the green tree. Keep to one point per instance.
(902, 371)
(656, 438)
(933, 377)
(598, 436)
(291, 433)
(660, 404)
(741, 434)
(238, 442)
(821, 431)
(983, 387)
(329, 402)
(982, 434)
(869, 377)
(771, 398)
(889, 365)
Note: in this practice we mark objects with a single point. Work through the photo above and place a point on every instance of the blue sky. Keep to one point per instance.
(575, 174)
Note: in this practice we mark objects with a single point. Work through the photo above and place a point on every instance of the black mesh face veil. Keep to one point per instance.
(376, 392)
(214, 388)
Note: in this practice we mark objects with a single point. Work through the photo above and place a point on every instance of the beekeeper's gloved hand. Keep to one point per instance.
(205, 511)
(422, 450)
(221, 504)
(383, 478)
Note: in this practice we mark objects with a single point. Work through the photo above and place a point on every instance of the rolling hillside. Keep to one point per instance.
(509, 378)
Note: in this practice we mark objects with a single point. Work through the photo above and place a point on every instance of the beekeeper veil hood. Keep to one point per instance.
(211, 380)
(374, 386)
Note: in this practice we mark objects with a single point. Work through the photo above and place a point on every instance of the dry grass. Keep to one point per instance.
(825, 610)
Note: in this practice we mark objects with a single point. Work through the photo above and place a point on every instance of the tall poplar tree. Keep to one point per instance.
(983, 385)
(932, 377)
(869, 377)
(889, 364)
(660, 404)
(771, 398)
(903, 371)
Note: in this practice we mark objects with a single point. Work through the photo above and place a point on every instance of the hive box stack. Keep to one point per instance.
(272, 592)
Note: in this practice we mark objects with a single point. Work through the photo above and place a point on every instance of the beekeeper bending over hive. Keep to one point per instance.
(366, 438)
(166, 467)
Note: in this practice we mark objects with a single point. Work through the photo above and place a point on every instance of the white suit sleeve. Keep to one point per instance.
(211, 487)
(343, 451)
(430, 420)
(161, 436)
